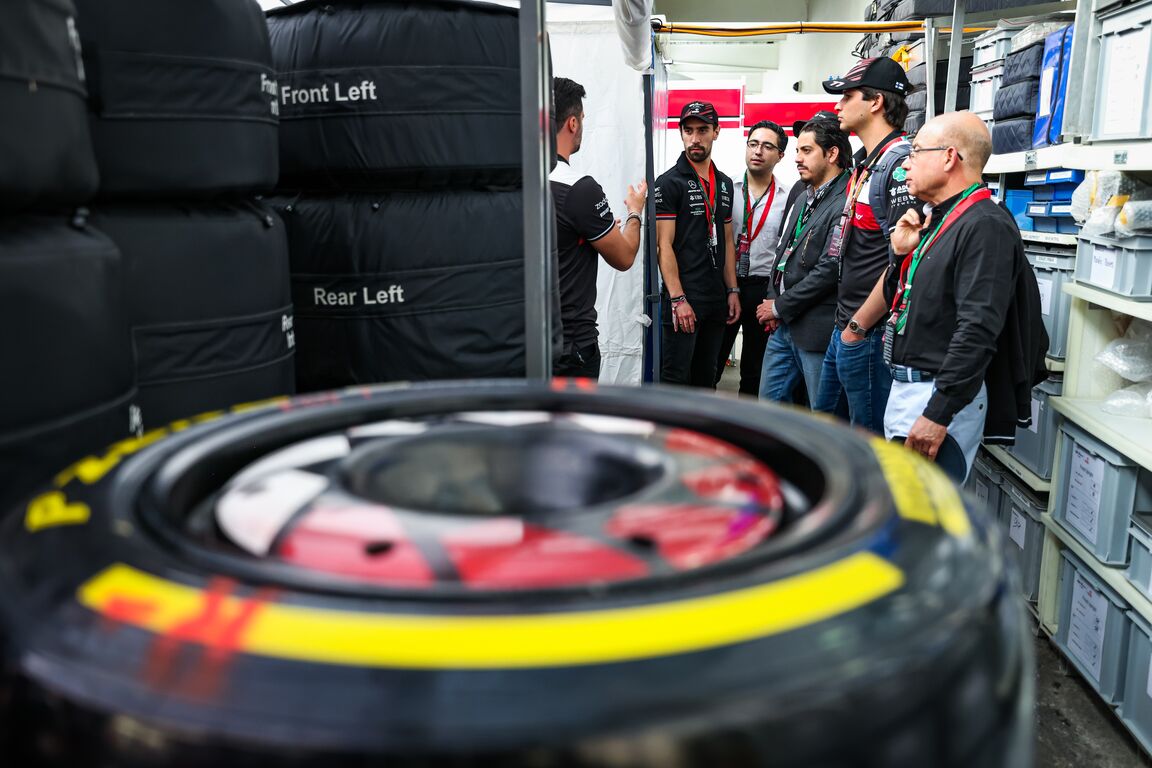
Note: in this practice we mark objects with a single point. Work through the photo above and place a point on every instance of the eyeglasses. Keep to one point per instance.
(917, 150)
(755, 145)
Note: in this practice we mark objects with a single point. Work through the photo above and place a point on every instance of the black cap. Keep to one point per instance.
(702, 110)
(823, 114)
(880, 73)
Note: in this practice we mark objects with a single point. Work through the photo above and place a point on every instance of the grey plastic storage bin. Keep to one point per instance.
(1119, 265)
(1054, 269)
(1136, 708)
(985, 83)
(1140, 554)
(1123, 102)
(1093, 629)
(1099, 491)
(1036, 444)
(992, 46)
(984, 482)
(1022, 510)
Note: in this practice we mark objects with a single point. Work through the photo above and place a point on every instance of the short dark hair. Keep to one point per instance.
(782, 138)
(827, 135)
(895, 108)
(567, 99)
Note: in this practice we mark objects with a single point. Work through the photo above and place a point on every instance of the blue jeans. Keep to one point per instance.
(783, 362)
(857, 370)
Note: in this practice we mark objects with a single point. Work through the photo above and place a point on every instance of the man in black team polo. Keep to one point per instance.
(585, 227)
(758, 203)
(696, 254)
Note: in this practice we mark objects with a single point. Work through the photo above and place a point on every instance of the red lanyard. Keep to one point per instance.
(857, 180)
(749, 208)
(908, 270)
(710, 197)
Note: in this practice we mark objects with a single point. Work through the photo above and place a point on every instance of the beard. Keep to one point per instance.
(697, 153)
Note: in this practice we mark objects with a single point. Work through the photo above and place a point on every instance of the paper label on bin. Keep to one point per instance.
(1087, 625)
(1046, 78)
(1045, 286)
(1125, 61)
(1018, 529)
(1103, 266)
(1059, 175)
(982, 494)
(1035, 425)
(1085, 486)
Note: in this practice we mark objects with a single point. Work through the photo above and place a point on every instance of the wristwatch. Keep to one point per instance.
(856, 328)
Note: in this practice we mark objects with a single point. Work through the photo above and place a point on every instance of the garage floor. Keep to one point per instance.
(1074, 728)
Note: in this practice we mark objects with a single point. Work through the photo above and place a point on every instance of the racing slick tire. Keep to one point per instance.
(394, 93)
(182, 97)
(208, 302)
(45, 150)
(408, 286)
(509, 574)
(66, 380)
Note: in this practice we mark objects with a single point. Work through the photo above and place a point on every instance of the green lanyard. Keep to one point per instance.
(803, 220)
(906, 297)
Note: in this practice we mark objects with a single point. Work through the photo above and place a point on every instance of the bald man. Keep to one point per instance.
(959, 273)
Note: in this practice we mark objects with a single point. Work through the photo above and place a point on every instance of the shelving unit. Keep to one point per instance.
(1048, 238)
(1092, 324)
(1105, 156)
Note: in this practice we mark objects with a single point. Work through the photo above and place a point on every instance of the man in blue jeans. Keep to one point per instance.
(855, 377)
(801, 306)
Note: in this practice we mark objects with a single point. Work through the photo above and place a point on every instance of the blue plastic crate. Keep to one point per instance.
(1054, 191)
(1017, 200)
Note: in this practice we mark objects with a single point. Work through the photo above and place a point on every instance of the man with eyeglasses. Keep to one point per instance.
(758, 204)
(854, 377)
(965, 339)
(585, 227)
(695, 250)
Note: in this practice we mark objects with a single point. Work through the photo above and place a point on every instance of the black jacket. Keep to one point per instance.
(1018, 364)
(808, 303)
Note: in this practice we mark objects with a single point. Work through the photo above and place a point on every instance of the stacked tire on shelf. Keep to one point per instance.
(66, 379)
(401, 189)
(183, 111)
(1017, 99)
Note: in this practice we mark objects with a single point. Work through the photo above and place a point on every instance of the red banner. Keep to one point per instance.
(729, 102)
(783, 113)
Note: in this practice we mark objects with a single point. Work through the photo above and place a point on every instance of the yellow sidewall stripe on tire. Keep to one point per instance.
(487, 642)
(920, 490)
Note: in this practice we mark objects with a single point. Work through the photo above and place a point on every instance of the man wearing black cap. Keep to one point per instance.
(872, 106)
(696, 254)
(759, 203)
